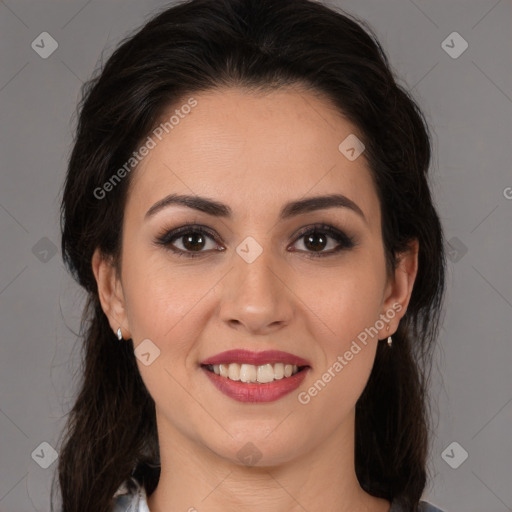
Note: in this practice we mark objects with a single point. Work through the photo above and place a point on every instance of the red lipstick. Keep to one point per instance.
(256, 392)
(256, 358)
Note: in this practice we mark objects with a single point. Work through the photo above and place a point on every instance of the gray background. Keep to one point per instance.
(468, 103)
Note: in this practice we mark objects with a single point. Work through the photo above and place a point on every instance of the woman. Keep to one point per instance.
(247, 206)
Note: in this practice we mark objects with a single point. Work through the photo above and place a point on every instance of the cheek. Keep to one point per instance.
(162, 305)
(343, 307)
(169, 304)
(157, 299)
(343, 325)
(345, 299)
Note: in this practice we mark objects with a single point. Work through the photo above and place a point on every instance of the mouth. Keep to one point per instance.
(248, 376)
(249, 383)
(253, 374)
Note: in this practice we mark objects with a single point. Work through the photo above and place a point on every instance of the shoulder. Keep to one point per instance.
(130, 497)
(427, 507)
(423, 506)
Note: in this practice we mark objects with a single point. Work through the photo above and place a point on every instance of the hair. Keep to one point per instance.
(204, 45)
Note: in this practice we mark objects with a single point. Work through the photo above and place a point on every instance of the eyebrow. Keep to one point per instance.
(291, 209)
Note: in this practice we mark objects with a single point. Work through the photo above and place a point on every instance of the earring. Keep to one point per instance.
(119, 334)
(390, 341)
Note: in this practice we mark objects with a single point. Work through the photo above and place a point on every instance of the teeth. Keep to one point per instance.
(278, 371)
(265, 373)
(250, 373)
(247, 373)
(234, 371)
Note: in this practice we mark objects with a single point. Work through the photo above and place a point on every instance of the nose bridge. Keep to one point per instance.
(255, 296)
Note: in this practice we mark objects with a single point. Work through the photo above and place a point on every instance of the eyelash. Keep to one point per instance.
(168, 236)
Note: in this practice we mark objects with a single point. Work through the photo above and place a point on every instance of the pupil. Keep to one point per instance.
(189, 241)
(310, 242)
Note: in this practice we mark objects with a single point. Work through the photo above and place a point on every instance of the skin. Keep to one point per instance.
(255, 152)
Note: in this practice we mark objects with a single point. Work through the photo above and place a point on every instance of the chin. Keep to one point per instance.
(259, 449)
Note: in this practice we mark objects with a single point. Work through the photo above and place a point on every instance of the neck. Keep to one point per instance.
(194, 478)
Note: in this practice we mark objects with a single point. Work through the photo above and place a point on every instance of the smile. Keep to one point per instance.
(248, 376)
(250, 373)
(254, 392)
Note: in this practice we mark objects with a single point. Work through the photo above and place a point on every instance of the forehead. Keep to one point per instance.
(253, 151)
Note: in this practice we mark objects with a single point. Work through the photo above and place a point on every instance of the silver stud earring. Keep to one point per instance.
(119, 334)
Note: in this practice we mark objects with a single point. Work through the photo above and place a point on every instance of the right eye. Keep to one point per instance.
(192, 238)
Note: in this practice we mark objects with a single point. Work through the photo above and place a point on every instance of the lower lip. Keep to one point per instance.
(252, 392)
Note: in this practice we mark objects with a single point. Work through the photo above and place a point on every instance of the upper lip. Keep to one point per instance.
(255, 358)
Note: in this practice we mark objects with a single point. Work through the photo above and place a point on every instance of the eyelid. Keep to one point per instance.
(344, 241)
(320, 226)
(170, 234)
(167, 234)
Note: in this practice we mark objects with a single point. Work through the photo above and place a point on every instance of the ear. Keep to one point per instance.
(110, 292)
(399, 289)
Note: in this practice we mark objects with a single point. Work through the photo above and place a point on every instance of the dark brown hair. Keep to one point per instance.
(202, 45)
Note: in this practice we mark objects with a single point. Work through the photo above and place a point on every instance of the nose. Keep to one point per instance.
(256, 296)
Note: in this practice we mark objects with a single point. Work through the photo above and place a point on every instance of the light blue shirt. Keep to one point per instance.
(131, 497)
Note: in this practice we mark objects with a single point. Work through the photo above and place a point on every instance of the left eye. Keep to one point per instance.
(315, 240)
(319, 235)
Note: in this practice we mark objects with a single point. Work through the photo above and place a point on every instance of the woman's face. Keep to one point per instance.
(251, 279)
